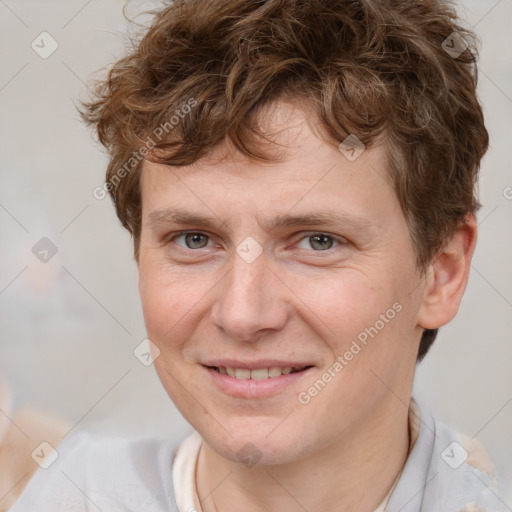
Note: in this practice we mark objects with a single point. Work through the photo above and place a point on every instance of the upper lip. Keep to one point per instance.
(254, 365)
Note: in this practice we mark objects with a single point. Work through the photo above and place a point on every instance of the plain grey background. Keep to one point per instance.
(68, 327)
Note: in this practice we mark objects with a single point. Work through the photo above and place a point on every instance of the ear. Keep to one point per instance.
(447, 277)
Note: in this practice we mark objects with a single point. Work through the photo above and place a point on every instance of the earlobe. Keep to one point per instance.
(447, 277)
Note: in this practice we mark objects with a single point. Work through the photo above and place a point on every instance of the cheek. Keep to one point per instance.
(172, 302)
(346, 303)
(366, 321)
(163, 299)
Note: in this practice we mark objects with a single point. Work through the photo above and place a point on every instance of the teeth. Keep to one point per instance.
(275, 371)
(258, 374)
(242, 373)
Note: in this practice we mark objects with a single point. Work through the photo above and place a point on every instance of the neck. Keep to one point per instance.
(354, 473)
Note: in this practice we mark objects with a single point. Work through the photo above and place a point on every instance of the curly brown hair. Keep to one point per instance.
(374, 68)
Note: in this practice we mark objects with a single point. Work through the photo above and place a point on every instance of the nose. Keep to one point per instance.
(251, 301)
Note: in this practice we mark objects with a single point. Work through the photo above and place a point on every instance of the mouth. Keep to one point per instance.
(271, 372)
(261, 379)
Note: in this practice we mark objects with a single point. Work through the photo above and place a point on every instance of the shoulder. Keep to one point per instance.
(465, 473)
(111, 473)
(27, 430)
(450, 472)
(462, 475)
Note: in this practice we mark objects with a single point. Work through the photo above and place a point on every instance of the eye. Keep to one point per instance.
(193, 239)
(318, 241)
(322, 241)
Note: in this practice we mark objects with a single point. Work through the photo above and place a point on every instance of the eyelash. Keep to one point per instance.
(341, 241)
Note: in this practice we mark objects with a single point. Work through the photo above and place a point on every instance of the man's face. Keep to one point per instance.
(245, 292)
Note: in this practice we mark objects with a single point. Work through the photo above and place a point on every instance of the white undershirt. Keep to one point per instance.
(185, 463)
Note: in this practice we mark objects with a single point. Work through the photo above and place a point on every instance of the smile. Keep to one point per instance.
(260, 381)
(258, 373)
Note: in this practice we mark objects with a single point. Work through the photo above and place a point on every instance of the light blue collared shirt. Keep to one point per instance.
(120, 475)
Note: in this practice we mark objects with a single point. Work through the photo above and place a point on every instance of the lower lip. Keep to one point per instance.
(252, 388)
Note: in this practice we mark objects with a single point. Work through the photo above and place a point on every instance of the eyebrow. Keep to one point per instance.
(161, 217)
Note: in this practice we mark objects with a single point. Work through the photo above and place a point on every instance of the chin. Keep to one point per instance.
(256, 441)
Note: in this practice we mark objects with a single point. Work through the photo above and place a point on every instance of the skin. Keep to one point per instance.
(345, 448)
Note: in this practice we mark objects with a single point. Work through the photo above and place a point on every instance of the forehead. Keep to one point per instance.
(310, 172)
(289, 129)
